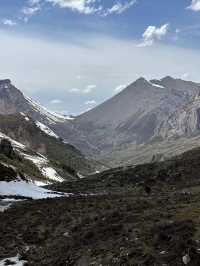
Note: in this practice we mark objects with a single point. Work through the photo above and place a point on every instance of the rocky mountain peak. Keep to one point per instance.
(5, 83)
(167, 79)
(141, 81)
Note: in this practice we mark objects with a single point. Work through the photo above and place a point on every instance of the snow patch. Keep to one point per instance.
(25, 117)
(51, 116)
(42, 163)
(14, 143)
(4, 207)
(157, 85)
(12, 261)
(51, 174)
(46, 129)
(7, 203)
(26, 189)
(41, 184)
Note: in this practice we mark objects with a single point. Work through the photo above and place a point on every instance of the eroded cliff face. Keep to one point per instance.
(184, 122)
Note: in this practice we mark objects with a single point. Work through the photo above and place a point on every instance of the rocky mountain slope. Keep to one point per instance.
(146, 112)
(34, 155)
(145, 215)
(13, 101)
(137, 114)
(40, 139)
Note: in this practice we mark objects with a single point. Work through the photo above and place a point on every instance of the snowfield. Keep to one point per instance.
(7, 203)
(12, 261)
(15, 144)
(26, 189)
(52, 117)
(42, 163)
(46, 129)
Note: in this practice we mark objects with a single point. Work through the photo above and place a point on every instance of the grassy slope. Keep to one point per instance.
(122, 225)
(21, 166)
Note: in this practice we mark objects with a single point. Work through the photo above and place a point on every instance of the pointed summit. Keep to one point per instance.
(141, 80)
(5, 83)
(167, 79)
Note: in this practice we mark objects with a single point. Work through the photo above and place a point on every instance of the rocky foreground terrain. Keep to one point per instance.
(144, 215)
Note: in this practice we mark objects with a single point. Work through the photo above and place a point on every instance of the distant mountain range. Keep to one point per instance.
(145, 112)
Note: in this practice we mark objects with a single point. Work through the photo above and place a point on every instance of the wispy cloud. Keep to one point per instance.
(119, 8)
(9, 22)
(86, 7)
(195, 5)
(74, 90)
(55, 101)
(185, 76)
(153, 34)
(82, 6)
(91, 102)
(89, 89)
(59, 58)
(31, 9)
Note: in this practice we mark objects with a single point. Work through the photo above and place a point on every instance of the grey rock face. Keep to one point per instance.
(138, 114)
(141, 113)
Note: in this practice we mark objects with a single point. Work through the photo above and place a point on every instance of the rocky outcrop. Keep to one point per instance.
(6, 148)
(7, 173)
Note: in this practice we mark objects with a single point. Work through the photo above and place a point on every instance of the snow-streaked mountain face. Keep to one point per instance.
(136, 114)
(140, 113)
(13, 101)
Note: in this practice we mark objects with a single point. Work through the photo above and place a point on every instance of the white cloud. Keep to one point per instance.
(82, 6)
(86, 90)
(89, 89)
(55, 101)
(74, 90)
(115, 64)
(195, 5)
(86, 7)
(91, 102)
(30, 11)
(153, 34)
(9, 22)
(119, 8)
(34, 2)
(185, 76)
(120, 88)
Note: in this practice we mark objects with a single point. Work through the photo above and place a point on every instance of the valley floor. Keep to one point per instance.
(117, 228)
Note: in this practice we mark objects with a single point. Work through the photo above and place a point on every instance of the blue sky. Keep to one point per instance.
(73, 54)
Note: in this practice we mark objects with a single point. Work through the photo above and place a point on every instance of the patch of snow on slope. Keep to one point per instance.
(157, 85)
(51, 174)
(25, 117)
(4, 207)
(40, 183)
(70, 118)
(42, 164)
(7, 203)
(26, 189)
(13, 261)
(46, 129)
(51, 116)
(14, 143)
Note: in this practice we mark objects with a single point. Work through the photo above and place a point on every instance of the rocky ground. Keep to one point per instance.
(148, 215)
